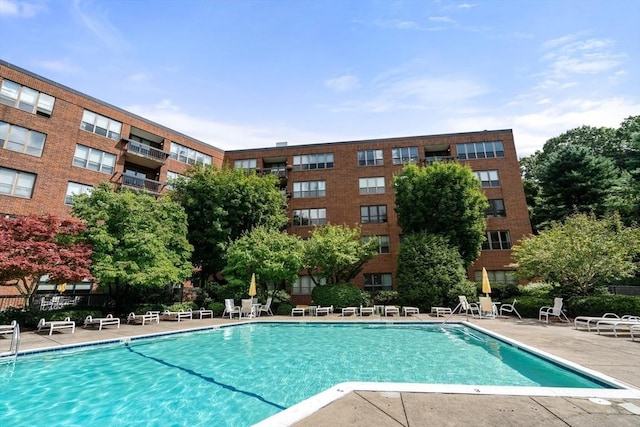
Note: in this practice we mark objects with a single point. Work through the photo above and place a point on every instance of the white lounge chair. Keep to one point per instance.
(589, 321)
(324, 310)
(366, 310)
(468, 307)
(101, 321)
(348, 311)
(8, 329)
(143, 318)
(634, 330)
(57, 324)
(298, 310)
(247, 309)
(201, 313)
(266, 308)
(176, 315)
(390, 310)
(439, 310)
(555, 311)
(230, 308)
(614, 325)
(510, 308)
(406, 311)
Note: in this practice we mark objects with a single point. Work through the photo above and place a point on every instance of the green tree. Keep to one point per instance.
(138, 241)
(428, 268)
(223, 204)
(443, 199)
(574, 179)
(274, 256)
(337, 253)
(580, 256)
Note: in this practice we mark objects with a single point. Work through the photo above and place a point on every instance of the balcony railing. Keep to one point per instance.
(146, 151)
(143, 184)
(430, 159)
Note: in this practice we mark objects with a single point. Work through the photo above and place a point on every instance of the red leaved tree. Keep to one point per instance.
(33, 246)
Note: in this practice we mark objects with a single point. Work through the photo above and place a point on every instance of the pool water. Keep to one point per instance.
(237, 376)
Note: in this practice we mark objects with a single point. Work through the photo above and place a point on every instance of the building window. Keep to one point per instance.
(480, 150)
(309, 189)
(488, 178)
(405, 155)
(374, 282)
(188, 155)
(314, 216)
(16, 183)
(383, 243)
(373, 214)
(101, 125)
(94, 159)
(496, 209)
(497, 276)
(172, 176)
(22, 140)
(76, 188)
(246, 164)
(370, 158)
(373, 185)
(497, 240)
(313, 161)
(26, 99)
(304, 285)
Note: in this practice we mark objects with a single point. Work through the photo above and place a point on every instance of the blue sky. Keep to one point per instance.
(244, 74)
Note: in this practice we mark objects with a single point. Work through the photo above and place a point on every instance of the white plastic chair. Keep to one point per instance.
(555, 311)
(230, 308)
(510, 308)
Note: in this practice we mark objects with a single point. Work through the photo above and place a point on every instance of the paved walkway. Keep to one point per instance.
(618, 358)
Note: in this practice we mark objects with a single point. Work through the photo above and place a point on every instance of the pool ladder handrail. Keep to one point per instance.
(15, 344)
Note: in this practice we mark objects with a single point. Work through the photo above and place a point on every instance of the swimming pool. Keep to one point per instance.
(240, 375)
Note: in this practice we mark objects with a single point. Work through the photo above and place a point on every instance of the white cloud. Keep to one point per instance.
(20, 9)
(343, 83)
(441, 19)
(61, 66)
(98, 22)
(137, 77)
(569, 56)
(225, 136)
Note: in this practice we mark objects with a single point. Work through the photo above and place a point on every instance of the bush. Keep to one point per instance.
(598, 305)
(466, 288)
(26, 319)
(284, 309)
(386, 297)
(182, 306)
(541, 290)
(340, 295)
(500, 291)
(529, 306)
(217, 307)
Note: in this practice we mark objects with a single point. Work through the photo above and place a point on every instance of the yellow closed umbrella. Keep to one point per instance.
(486, 286)
(62, 287)
(252, 286)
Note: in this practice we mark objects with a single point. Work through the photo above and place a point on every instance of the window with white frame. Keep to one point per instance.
(26, 99)
(189, 155)
(497, 240)
(374, 282)
(402, 155)
(304, 285)
(172, 176)
(22, 140)
(496, 209)
(497, 276)
(373, 185)
(373, 214)
(480, 150)
(309, 189)
(74, 188)
(313, 216)
(370, 158)
(100, 125)
(313, 161)
(246, 164)
(16, 183)
(94, 159)
(383, 243)
(488, 178)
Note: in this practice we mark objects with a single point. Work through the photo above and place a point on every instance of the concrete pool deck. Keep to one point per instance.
(618, 358)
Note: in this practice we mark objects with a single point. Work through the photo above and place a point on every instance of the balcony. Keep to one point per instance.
(430, 159)
(141, 184)
(144, 154)
(279, 171)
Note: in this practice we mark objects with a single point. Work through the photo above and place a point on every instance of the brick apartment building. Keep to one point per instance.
(55, 142)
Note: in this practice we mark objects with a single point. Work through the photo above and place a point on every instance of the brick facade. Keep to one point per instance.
(55, 168)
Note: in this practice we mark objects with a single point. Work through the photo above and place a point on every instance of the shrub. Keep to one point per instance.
(340, 295)
(217, 307)
(386, 297)
(529, 306)
(182, 306)
(541, 290)
(598, 305)
(26, 319)
(284, 309)
(466, 288)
